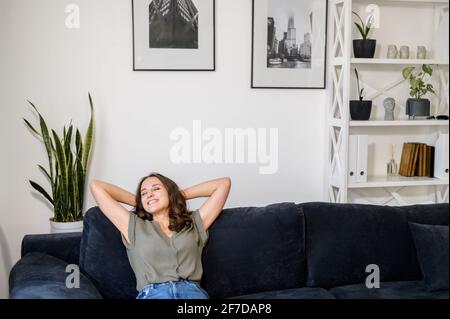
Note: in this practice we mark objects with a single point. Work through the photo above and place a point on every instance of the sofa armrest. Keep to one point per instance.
(41, 276)
(65, 246)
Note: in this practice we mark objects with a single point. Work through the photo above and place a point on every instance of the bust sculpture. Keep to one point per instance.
(389, 106)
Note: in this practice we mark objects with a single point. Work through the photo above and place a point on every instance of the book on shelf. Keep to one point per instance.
(417, 159)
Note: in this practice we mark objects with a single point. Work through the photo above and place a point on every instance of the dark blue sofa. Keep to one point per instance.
(285, 250)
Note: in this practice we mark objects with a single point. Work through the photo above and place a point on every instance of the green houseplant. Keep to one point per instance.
(68, 160)
(417, 105)
(365, 47)
(360, 109)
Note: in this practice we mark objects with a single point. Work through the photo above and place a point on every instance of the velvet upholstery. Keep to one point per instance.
(293, 293)
(254, 249)
(342, 239)
(39, 275)
(388, 290)
(432, 248)
(65, 246)
(436, 214)
(104, 259)
(252, 252)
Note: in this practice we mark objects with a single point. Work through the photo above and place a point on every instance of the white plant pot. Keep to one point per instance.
(71, 227)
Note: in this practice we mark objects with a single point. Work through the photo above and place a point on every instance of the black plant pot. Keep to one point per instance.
(417, 107)
(360, 110)
(364, 48)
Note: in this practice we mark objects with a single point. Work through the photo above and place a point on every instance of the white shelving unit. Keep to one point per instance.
(400, 61)
(408, 22)
(399, 123)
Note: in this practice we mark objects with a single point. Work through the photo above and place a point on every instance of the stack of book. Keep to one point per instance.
(417, 160)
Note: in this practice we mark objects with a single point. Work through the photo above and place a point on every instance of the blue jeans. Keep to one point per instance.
(181, 289)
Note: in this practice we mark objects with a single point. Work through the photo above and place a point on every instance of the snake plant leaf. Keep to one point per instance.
(32, 128)
(45, 173)
(361, 30)
(87, 144)
(46, 138)
(61, 159)
(78, 145)
(42, 191)
(80, 179)
(79, 170)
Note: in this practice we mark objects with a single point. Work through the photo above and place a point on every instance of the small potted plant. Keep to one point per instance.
(365, 47)
(360, 109)
(68, 160)
(418, 106)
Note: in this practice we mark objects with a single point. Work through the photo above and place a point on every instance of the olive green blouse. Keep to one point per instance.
(155, 257)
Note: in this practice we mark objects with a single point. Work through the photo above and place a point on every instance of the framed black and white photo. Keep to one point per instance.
(173, 35)
(289, 44)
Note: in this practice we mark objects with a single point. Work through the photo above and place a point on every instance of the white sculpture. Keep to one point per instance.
(392, 51)
(421, 52)
(404, 52)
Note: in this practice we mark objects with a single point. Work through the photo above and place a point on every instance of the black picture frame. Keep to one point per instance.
(264, 76)
(169, 55)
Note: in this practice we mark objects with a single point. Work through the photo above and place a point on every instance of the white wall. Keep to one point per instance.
(43, 61)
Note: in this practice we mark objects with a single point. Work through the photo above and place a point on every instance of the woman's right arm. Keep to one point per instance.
(108, 198)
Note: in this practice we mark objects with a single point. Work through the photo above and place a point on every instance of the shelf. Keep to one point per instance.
(393, 2)
(400, 61)
(399, 123)
(398, 181)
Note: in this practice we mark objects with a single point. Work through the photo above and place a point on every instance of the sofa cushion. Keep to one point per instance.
(37, 275)
(254, 249)
(343, 239)
(431, 243)
(103, 257)
(295, 293)
(65, 246)
(388, 290)
(436, 214)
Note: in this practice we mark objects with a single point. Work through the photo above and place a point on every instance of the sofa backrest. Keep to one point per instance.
(254, 249)
(343, 239)
(249, 250)
(103, 257)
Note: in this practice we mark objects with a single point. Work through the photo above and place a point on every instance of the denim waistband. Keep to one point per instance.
(152, 285)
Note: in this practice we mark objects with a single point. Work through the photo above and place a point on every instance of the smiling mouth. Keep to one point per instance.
(151, 202)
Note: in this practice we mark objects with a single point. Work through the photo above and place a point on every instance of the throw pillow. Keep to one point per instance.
(431, 243)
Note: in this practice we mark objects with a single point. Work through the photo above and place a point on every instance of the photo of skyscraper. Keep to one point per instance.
(173, 24)
(289, 34)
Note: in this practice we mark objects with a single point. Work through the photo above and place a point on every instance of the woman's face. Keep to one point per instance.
(154, 195)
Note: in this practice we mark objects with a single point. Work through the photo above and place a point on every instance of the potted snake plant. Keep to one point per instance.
(365, 47)
(360, 109)
(68, 159)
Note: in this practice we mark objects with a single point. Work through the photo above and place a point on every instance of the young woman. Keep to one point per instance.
(164, 240)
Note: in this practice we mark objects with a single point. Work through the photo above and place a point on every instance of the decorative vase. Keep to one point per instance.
(70, 227)
(417, 107)
(364, 48)
(404, 52)
(392, 51)
(360, 110)
(421, 52)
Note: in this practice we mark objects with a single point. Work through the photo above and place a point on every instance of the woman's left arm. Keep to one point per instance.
(217, 190)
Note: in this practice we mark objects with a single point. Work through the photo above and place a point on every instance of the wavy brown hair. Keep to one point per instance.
(179, 216)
